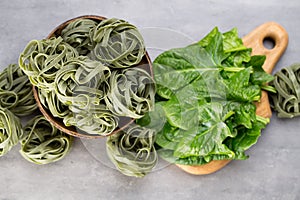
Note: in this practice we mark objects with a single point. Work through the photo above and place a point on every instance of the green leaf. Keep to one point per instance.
(182, 109)
(259, 76)
(168, 137)
(245, 139)
(155, 119)
(238, 58)
(232, 42)
(240, 89)
(244, 113)
(207, 138)
(209, 37)
(239, 53)
(176, 68)
(167, 155)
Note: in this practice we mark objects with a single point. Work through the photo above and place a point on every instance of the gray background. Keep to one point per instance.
(271, 172)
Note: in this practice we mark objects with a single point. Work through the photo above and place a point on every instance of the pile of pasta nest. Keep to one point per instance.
(88, 77)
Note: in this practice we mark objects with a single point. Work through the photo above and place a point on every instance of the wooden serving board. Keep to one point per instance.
(254, 40)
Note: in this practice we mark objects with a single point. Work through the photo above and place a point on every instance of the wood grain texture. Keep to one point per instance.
(254, 40)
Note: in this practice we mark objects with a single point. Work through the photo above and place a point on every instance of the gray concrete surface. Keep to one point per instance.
(271, 172)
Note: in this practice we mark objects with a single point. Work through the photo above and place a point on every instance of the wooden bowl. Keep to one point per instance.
(72, 130)
(254, 40)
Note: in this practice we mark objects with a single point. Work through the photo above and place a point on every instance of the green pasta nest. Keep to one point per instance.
(132, 151)
(16, 91)
(287, 99)
(10, 130)
(89, 76)
(43, 143)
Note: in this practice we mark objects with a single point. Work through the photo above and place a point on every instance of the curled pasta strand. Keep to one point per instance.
(131, 93)
(50, 101)
(16, 91)
(41, 59)
(77, 34)
(287, 99)
(79, 80)
(10, 130)
(95, 119)
(43, 143)
(132, 150)
(118, 43)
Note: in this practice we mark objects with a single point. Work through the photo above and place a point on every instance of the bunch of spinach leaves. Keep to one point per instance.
(205, 100)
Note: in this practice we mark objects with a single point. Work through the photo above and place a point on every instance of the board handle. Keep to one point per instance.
(272, 31)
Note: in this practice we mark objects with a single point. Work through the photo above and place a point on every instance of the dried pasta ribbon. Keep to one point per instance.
(94, 119)
(43, 143)
(131, 93)
(132, 150)
(287, 99)
(78, 82)
(10, 130)
(16, 91)
(118, 43)
(50, 101)
(77, 34)
(41, 59)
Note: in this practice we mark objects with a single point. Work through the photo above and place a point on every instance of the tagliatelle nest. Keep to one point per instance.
(287, 99)
(43, 143)
(10, 130)
(16, 91)
(41, 59)
(77, 34)
(118, 43)
(132, 150)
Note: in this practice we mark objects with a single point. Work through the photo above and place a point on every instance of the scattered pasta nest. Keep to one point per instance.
(16, 91)
(10, 130)
(43, 143)
(132, 151)
(287, 99)
(89, 75)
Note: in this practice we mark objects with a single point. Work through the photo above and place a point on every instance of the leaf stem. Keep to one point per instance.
(262, 119)
(269, 88)
(228, 115)
(235, 69)
(241, 48)
(256, 98)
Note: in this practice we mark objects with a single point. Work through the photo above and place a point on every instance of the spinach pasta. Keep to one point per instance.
(79, 82)
(43, 143)
(118, 43)
(286, 100)
(41, 59)
(16, 91)
(50, 101)
(131, 93)
(77, 34)
(10, 130)
(132, 150)
(94, 119)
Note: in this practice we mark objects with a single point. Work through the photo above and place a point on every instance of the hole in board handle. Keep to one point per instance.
(269, 43)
